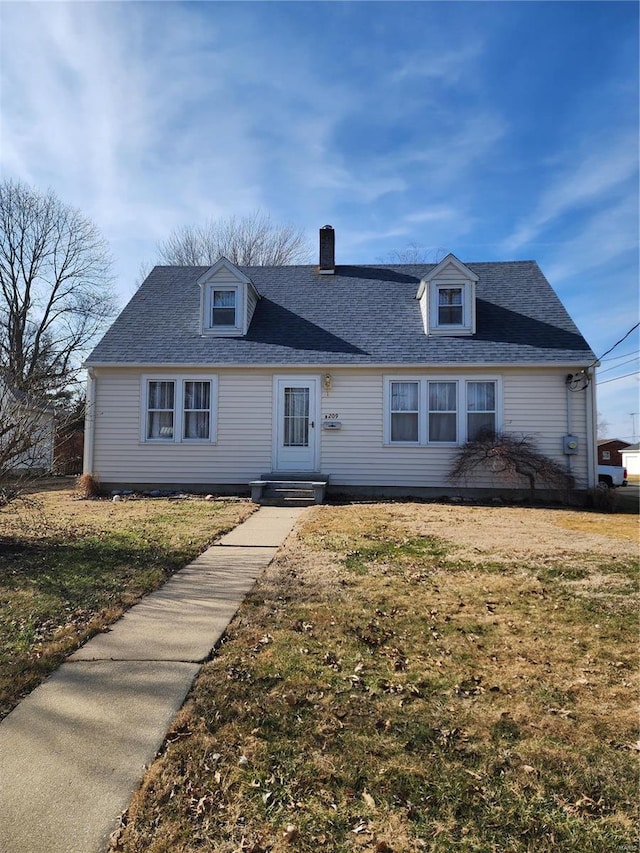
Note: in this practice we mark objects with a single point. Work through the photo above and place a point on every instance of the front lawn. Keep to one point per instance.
(68, 568)
(409, 677)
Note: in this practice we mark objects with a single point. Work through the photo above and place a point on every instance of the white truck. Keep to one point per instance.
(612, 476)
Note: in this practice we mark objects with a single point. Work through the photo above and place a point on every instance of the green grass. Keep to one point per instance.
(373, 700)
(72, 567)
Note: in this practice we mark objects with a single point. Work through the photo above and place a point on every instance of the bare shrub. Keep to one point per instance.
(512, 459)
(86, 487)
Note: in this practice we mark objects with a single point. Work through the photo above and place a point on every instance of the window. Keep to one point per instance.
(450, 306)
(197, 410)
(160, 410)
(606, 455)
(404, 411)
(481, 409)
(433, 411)
(443, 411)
(178, 409)
(296, 417)
(223, 308)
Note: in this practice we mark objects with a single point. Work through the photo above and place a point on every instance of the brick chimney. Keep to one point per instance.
(327, 265)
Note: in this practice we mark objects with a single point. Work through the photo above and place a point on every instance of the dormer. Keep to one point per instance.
(448, 299)
(227, 301)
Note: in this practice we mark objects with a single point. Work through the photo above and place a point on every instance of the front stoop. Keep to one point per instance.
(290, 489)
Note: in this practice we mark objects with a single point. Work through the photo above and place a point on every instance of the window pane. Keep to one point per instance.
(442, 427)
(450, 296)
(481, 409)
(480, 424)
(481, 396)
(404, 426)
(296, 417)
(197, 411)
(161, 395)
(224, 299)
(404, 396)
(196, 395)
(196, 425)
(224, 308)
(442, 396)
(442, 399)
(450, 306)
(160, 425)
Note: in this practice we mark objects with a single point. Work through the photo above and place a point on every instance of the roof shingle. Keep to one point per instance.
(361, 315)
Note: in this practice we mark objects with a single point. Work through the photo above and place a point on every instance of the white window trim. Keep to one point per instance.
(467, 327)
(388, 412)
(178, 410)
(423, 406)
(206, 306)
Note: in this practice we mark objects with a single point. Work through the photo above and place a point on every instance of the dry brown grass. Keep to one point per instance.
(69, 567)
(410, 677)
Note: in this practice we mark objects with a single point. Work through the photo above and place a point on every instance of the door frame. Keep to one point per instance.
(313, 381)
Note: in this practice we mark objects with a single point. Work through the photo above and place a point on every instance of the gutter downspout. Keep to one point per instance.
(592, 427)
(569, 422)
(89, 422)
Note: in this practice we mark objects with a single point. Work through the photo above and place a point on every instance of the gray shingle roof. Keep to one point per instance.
(361, 315)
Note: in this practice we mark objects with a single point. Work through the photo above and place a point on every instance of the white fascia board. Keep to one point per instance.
(453, 261)
(312, 368)
(223, 263)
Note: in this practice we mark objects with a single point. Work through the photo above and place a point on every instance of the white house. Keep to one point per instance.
(631, 459)
(365, 377)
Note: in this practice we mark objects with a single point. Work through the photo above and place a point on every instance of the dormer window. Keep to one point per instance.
(450, 306)
(448, 299)
(224, 307)
(228, 300)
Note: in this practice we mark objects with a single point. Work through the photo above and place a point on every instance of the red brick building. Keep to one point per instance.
(609, 451)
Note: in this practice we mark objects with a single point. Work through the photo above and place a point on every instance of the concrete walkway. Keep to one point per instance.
(74, 751)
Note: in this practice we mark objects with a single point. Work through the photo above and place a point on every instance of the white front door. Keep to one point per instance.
(296, 427)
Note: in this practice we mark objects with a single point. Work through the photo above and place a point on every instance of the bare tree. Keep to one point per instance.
(252, 240)
(414, 254)
(512, 459)
(55, 288)
(603, 426)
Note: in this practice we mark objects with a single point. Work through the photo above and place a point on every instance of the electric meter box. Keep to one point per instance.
(570, 445)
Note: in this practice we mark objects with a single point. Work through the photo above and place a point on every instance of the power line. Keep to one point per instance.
(614, 378)
(618, 357)
(617, 366)
(617, 343)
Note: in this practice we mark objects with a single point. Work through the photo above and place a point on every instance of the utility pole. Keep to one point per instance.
(634, 415)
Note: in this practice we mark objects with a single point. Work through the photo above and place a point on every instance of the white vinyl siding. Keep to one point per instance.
(534, 403)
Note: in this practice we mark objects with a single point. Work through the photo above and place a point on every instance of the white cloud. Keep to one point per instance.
(606, 234)
(445, 65)
(580, 183)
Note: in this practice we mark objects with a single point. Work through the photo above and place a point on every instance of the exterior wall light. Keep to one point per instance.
(327, 381)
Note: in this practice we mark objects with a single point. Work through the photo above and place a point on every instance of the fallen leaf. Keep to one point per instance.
(366, 796)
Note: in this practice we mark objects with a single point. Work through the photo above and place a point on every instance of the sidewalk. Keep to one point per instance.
(74, 751)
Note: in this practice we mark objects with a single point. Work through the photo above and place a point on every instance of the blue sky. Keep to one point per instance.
(493, 130)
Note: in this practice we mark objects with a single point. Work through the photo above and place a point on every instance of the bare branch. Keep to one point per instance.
(55, 288)
(252, 240)
(512, 459)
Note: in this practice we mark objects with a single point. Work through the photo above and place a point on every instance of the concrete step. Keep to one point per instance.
(290, 492)
(271, 500)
